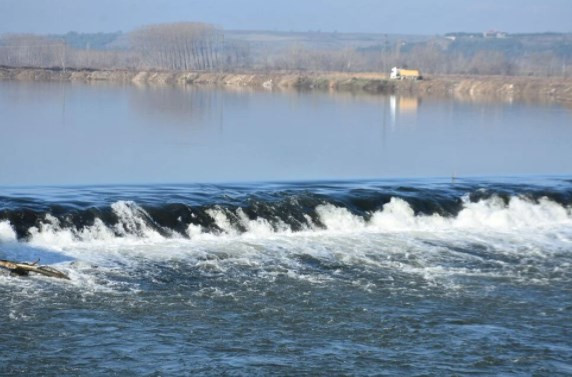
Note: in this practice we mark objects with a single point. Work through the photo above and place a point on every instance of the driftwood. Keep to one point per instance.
(24, 269)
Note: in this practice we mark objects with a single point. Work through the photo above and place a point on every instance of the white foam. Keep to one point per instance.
(397, 215)
(393, 239)
(518, 214)
(132, 220)
(485, 216)
(491, 215)
(221, 220)
(7, 233)
(50, 232)
(97, 232)
(258, 226)
(338, 219)
(131, 226)
(194, 230)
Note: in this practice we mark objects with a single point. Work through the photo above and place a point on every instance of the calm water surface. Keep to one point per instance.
(367, 269)
(55, 133)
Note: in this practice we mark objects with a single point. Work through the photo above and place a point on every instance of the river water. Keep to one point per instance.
(211, 232)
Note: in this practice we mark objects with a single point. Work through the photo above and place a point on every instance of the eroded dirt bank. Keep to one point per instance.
(486, 88)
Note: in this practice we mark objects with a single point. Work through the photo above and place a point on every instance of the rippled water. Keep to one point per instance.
(335, 271)
(401, 277)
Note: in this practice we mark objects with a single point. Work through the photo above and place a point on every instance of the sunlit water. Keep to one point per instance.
(402, 276)
(54, 133)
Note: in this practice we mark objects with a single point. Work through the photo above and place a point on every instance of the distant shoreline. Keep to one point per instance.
(463, 87)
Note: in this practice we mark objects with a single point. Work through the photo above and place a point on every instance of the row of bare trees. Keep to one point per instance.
(181, 47)
(28, 50)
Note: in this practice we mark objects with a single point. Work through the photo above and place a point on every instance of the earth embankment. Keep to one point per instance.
(465, 87)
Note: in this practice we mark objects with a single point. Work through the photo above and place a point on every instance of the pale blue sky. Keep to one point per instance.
(379, 16)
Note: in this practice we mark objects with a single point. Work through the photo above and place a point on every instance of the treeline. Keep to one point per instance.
(29, 50)
(191, 46)
(430, 58)
(179, 47)
(33, 51)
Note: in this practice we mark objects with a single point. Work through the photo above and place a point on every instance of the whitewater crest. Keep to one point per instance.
(487, 214)
(491, 214)
(132, 222)
(7, 234)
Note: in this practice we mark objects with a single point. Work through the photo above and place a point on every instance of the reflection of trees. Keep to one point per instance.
(176, 102)
(180, 102)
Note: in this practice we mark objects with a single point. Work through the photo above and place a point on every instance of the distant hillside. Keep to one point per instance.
(514, 45)
(264, 42)
(320, 40)
(88, 41)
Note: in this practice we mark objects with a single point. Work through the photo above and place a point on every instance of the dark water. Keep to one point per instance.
(337, 270)
(399, 277)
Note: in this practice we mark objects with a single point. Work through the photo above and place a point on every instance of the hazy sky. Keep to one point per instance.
(382, 16)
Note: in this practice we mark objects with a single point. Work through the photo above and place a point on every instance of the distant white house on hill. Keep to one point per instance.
(494, 34)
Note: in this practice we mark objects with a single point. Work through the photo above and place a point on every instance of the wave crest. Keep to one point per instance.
(131, 221)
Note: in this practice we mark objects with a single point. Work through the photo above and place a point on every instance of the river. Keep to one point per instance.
(210, 232)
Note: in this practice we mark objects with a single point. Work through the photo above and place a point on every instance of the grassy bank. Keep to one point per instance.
(489, 88)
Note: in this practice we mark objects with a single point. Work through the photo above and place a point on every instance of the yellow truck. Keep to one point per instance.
(405, 74)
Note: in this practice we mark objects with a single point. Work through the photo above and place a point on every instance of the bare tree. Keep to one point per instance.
(179, 46)
(29, 50)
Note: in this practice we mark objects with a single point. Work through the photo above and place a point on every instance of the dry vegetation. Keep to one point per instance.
(175, 47)
(203, 47)
(179, 47)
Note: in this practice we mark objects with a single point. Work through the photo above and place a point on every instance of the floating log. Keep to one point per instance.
(24, 269)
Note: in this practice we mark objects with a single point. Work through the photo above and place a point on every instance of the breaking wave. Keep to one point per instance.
(317, 234)
(132, 221)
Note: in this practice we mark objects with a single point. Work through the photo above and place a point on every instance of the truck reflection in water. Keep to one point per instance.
(402, 106)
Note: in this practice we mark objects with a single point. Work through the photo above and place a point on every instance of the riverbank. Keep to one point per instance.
(464, 87)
